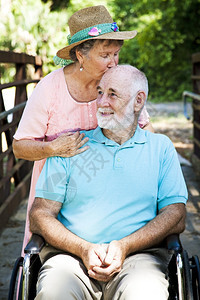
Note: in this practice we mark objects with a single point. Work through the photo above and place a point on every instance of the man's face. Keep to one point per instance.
(115, 104)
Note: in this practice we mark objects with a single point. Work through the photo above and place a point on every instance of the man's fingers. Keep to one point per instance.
(103, 274)
(96, 276)
(107, 271)
(101, 254)
(111, 251)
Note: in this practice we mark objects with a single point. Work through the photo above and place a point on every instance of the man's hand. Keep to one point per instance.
(111, 264)
(93, 255)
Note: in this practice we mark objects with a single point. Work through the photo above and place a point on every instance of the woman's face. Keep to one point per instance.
(101, 58)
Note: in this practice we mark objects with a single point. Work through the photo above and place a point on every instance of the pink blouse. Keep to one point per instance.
(51, 111)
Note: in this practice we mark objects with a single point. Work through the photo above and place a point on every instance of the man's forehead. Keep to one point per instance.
(108, 87)
(115, 82)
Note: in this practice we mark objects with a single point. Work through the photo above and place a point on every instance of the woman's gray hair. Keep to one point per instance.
(86, 46)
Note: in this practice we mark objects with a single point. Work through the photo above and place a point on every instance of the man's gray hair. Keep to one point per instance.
(139, 79)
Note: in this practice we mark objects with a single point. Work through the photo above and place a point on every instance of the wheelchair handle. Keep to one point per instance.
(35, 244)
(173, 243)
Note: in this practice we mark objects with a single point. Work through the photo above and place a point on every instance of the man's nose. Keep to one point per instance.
(103, 101)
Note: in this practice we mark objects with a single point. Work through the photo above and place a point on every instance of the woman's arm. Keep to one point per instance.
(66, 145)
(149, 127)
(144, 120)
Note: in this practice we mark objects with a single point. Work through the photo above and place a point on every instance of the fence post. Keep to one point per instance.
(15, 173)
(196, 112)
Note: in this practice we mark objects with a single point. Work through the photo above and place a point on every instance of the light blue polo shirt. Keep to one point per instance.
(112, 190)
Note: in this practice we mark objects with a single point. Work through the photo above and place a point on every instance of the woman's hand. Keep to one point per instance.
(69, 144)
(66, 145)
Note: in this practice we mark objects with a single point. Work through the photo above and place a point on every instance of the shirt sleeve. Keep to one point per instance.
(53, 180)
(172, 188)
(34, 121)
(144, 117)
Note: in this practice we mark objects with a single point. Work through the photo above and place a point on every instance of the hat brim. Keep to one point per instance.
(118, 35)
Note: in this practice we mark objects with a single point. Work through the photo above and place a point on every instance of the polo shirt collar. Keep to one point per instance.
(138, 138)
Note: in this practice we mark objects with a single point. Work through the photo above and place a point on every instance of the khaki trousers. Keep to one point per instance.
(143, 277)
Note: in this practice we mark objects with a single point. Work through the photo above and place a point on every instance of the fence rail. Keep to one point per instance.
(14, 174)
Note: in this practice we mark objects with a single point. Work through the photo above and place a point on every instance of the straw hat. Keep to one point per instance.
(92, 23)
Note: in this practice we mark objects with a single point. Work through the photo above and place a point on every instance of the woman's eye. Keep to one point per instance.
(100, 92)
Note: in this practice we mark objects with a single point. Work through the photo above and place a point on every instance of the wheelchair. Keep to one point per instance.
(183, 272)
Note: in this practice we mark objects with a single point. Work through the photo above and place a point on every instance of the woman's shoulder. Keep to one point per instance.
(52, 78)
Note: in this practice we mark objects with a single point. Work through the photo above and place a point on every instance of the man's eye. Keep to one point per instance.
(113, 95)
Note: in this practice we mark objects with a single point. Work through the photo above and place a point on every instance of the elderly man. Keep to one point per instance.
(105, 213)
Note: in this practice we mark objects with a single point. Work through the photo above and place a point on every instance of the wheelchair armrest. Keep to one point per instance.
(35, 244)
(173, 243)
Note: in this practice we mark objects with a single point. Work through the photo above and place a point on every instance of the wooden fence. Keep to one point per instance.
(15, 173)
(196, 112)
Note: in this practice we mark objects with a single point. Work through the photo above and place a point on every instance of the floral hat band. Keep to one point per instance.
(84, 34)
(93, 22)
(93, 31)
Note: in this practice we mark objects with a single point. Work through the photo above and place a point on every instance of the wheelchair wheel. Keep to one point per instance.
(195, 265)
(173, 279)
(187, 278)
(13, 280)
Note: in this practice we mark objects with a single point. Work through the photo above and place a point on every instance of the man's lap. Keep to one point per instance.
(142, 274)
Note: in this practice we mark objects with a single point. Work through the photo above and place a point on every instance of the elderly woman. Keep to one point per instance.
(65, 100)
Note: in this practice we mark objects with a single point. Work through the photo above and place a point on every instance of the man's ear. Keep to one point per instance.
(139, 101)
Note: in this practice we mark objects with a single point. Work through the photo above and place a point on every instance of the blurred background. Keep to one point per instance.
(168, 34)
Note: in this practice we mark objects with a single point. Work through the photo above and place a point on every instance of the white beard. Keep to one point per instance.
(113, 121)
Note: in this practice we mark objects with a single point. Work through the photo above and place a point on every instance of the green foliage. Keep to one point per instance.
(57, 4)
(72, 5)
(168, 34)
(30, 27)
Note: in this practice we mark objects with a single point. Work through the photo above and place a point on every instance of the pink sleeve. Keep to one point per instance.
(144, 118)
(34, 121)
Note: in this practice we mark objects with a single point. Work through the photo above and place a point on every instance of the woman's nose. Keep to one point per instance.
(113, 62)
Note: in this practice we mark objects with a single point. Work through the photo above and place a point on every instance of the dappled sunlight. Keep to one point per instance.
(4, 144)
(178, 129)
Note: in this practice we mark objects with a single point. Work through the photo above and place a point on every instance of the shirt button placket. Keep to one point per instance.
(118, 163)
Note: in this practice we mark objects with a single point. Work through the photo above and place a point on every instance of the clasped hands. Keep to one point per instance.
(103, 261)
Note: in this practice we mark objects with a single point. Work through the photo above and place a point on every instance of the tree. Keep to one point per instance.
(30, 26)
(168, 35)
(57, 4)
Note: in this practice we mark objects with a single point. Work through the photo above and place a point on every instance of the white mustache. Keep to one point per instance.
(105, 110)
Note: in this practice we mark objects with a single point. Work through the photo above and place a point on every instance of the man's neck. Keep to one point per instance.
(120, 136)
